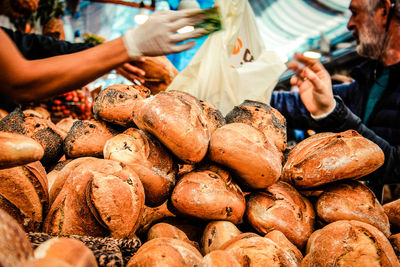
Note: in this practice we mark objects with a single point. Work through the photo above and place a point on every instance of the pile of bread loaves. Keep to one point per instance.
(198, 188)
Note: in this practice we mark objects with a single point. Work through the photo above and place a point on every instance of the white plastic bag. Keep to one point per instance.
(232, 65)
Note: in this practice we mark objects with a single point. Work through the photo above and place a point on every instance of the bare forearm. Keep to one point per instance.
(28, 80)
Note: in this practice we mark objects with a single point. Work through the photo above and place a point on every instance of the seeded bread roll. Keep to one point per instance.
(17, 149)
(15, 248)
(178, 121)
(254, 160)
(166, 252)
(281, 207)
(24, 194)
(66, 124)
(159, 73)
(329, 157)
(114, 104)
(392, 209)
(349, 243)
(87, 138)
(216, 234)
(263, 117)
(209, 193)
(351, 200)
(148, 158)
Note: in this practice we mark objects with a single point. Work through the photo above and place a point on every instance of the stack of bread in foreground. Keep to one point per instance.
(196, 187)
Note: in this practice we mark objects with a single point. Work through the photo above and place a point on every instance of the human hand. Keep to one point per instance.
(315, 86)
(131, 72)
(157, 36)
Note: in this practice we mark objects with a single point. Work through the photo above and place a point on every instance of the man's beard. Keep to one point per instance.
(371, 41)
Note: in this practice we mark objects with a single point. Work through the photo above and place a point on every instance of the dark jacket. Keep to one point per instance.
(35, 46)
(383, 126)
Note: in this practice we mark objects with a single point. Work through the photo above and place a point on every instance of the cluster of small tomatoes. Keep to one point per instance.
(77, 104)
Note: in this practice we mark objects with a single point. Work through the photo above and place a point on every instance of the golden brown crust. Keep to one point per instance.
(24, 194)
(159, 73)
(351, 200)
(151, 215)
(148, 158)
(15, 247)
(216, 234)
(250, 156)
(17, 149)
(87, 138)
(281, 207)
(395, 241)
(392, 210)
(263, 117)
(166, 230)
(250, 249)
(329, 157)
(280, 239)
(114, 104)
(68, 250)
(349, 243)
(213, 116)
(177, 120)
(66, 124)
(166, 252)
(219, 258)
(206, 194)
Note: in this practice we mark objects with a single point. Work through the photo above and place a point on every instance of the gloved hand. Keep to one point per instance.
(157, 36)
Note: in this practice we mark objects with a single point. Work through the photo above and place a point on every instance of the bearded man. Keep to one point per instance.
(371, 104)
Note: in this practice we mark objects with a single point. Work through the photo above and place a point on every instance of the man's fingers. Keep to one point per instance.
(314, 65)
(308, 74)
(131, 77)
(133, 69)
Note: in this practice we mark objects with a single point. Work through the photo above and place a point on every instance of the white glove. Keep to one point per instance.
(157, 36)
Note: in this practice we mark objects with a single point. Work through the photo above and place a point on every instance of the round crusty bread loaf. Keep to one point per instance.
(263, 117)
(281, 207)
(216, 234)
(166, 230)
(166, 252)
(159, 73)
(17, 149)
(15, 248)
(253, 159)
(280, 239)
(329, 157)
(250, 249)
(177, 120)
(349, 243)
(213, 116)
(24, 194)
(114, 104)
(68, 250)
(209, 193)
(392, 210)
(148, 158)
(219, 258)
(351, 200)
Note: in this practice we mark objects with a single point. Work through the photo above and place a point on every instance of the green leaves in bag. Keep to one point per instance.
(212, 22)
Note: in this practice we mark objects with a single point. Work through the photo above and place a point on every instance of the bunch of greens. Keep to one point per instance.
(212, 22)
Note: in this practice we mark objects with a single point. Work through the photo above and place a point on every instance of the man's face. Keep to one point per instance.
(368, 33)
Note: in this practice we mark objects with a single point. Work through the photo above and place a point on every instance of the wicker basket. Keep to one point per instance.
(108, 251)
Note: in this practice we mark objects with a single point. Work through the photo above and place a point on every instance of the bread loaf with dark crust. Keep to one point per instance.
(281, 207)
(329, 157)
(349, 243)
(213, 116)
(41, 130)
(351, 200)
(148, 158)
(216, 234)
(17, 149)
(250, 249)
(87, 138)
(177, 120)
(15, 248)
(159, 73)
(263, 117)
(392, 210)
(209, 193)
(114, 104)
(24, 194)
(253, 159)
(99, 197)
(66, 124)
(166, 252)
